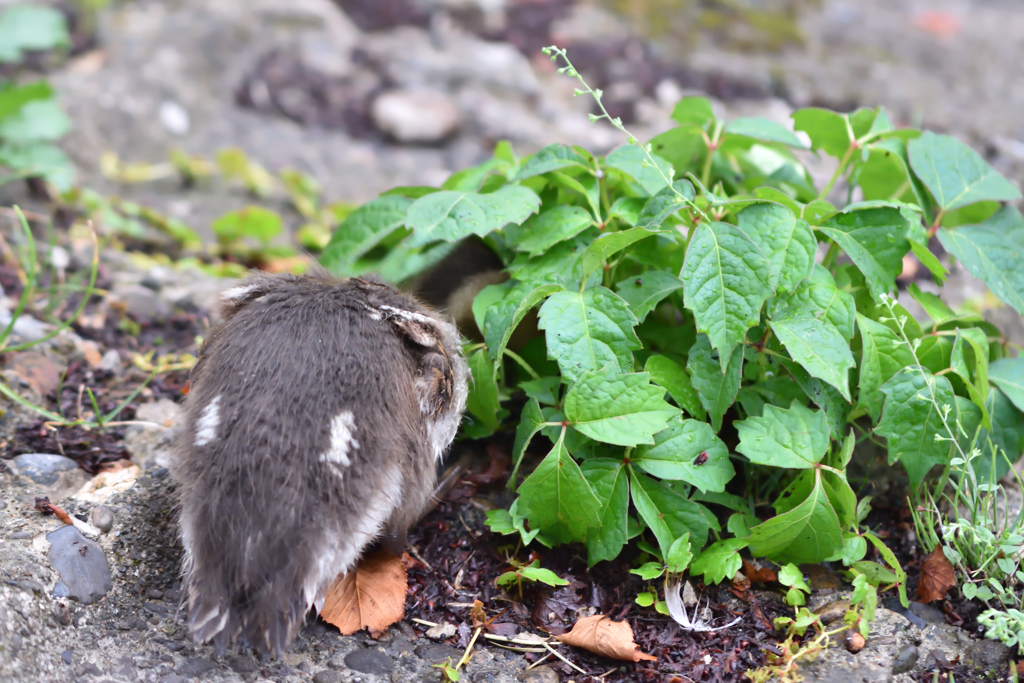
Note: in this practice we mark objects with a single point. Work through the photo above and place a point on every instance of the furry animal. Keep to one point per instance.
(315, 420)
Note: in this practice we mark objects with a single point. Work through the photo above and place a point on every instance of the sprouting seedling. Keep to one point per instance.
(555, 52)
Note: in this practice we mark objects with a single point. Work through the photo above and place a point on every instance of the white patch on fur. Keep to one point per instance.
(343, 440)
(374, 313)
(206, 426)
(237, 292)
(410, 315)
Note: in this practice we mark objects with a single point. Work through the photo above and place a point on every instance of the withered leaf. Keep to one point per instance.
(937, 577)
(605, 637)
(371, 596)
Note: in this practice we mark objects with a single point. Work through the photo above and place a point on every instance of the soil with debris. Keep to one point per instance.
(300, 83)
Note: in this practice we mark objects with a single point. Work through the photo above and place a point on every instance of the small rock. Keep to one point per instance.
(415, 116)
(32, 586)
(66, 656)
(171, 678)
(243, 665)
(81, 563)
(435, 653)
(988, 655)
(37, 370)
(369, 661)
(19, 535)
(90, 350)
(155, 593)
(541, 674)
(43, 468)
(26, 328)
(102, 518)
(932, 615)
(196, 667)
(174, 117)
(442, 631)
(142, 303)
(161, 412)
(111, 362)
(327, 676)
(905, 660)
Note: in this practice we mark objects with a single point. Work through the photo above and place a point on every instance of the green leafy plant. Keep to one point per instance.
(31, 119)
(706, 311)
(530, 573)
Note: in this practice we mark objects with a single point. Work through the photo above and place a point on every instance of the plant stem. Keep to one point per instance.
(830, 256)
(705, 174)
(839, 170)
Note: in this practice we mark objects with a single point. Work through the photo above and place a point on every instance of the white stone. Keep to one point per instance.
(415, 116)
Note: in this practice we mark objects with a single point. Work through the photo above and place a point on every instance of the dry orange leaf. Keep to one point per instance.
(371, 596)
(602, 636)
(937, 577)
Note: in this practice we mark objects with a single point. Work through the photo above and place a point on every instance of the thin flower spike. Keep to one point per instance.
(678, 611)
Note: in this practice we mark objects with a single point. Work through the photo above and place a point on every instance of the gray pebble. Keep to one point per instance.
(369, 661)
(540, 674)
(43, 468)
(31, 585)
(82, 564)
(905, 659)
(66, 656)
(18, 535)
(102, 518)
(171, 678)
(243, 665)
(987, 655)
(327, 676)
(154, 594)
(435, 653)
(196, 667)
(932, 615)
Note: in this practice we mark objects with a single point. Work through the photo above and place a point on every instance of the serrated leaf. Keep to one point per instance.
(557, 499)
(719, 561)
(817, 346)
(678, 557)
(827, 129)
(531, 421)
(609, 483)
(551, 158)
(819, 297)
(726, 280)
(688, 451)
(1008, 375)
(608, 244)
(824, 395)
(668, 201)
(875, 239)
(795, 438)
(628, 209)
(632, 160)
(717, 390)
(645, 291)
(911, 420)
(501, 320)
(666, 373)
(786, 240)
(362, 230)
(991, 255)
(555, 265)
(693, 110)
(682, 146)
(764, 130)
(955, 174)
(884, 354)
(623, 409)
(482, 402)
(1007, 435)
(586, 331)
(808, 533)
(543, 231)
(668, 515)
(449, 216)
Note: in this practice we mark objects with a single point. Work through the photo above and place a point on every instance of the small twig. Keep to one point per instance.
(555, 653)
(469, 648)
(424, 622)
(416, 553)
(31, 215)
(541, 661)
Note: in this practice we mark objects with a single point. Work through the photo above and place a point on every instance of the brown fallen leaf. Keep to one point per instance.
(758, 574)
(937, 577)
(605, 637)
(371, 596)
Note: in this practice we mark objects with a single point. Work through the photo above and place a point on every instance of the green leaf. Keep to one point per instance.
(991, 255)
(623, 409)
(586, 331)
(825, 396)
(720, 560)
(645, 291)
(41, 159)
(667, 514)
(717, 390)
(726, 280)
(648, 572)
(556, 265)
(1007, 435)
(808, 533)
(632, 160)
(693, 111)
(548, 228)
(501, 320)
(764, 130)
(27, 27)
(450, 216)
(795, 438)
(658, 208)
(551, 158)
(786, 240)
(545, 576)
(929, 261)
(666, 373)
(955, 174)
(817, 346)
(362, 230)
(609, 482)
(531, 421)
(252, 221)
(608, 244)
(911, 420)
(875, 239)
(827, 129)
(688, 451)
(1008, 375)
(483, 403)
(678, 557)
(37, 120)
(683, 147)
(628, 209)
(13, 98)
(819, 297)
(557, 499)
(884, 354)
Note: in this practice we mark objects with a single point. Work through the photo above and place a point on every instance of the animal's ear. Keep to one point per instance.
(250, 289)
(418, 328)
(435, 383)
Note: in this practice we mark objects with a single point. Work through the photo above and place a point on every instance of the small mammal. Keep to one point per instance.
(316, 416)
